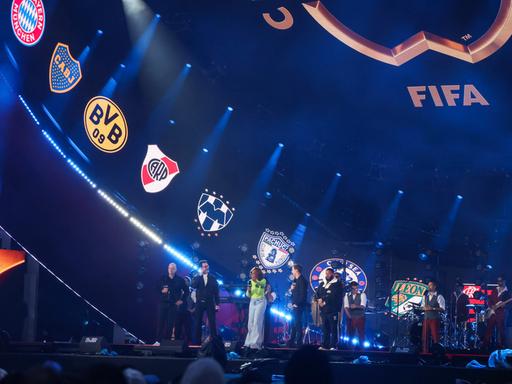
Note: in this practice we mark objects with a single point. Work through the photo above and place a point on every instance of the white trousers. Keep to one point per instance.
(256, 323)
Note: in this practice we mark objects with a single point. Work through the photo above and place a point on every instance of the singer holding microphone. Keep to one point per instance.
(257, 290)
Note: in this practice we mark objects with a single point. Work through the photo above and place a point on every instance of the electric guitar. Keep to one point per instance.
(490, 312)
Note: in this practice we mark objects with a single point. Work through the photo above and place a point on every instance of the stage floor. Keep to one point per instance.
(385, 367)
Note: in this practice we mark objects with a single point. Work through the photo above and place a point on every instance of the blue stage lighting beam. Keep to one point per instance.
(110, 87)
(388, 219)
(443, 236)
(134, 60)
(168, 100)
(261, 184)
(86, 52)
(328, 197)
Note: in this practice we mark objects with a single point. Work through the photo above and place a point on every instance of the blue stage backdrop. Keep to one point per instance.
(376, 131)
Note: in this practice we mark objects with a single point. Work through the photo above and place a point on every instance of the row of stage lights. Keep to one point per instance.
(111, 201)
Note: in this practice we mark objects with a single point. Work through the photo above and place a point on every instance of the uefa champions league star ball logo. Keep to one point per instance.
(213, 214)
(28, 20)
(353, 272)
(274, 251)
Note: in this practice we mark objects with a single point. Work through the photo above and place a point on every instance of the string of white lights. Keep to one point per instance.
(68, 286)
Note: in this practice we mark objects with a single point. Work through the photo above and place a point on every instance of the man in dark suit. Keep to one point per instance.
(299, 293)
(207, 299)
(173, 293)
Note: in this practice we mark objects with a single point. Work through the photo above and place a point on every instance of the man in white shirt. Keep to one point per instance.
(354, 305)
(433, 304)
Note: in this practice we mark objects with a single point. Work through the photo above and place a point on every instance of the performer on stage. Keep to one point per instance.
(184, 321)
(173, 292)
(354, 305)
(329, 295)
(207, 300)
(433, 304)
(299, 293)
(496, 320)
(257, 291)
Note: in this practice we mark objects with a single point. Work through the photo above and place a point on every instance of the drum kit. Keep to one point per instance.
(455, 335)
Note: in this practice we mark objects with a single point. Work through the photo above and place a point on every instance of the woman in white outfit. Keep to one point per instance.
(257, 289)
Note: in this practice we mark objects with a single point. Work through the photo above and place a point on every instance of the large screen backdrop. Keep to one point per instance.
(365, 98)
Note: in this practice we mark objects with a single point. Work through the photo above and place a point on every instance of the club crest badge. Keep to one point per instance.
(274, 251)
(65, 71)
(213, 213)
(353, 272)
(158, 170)
(405, 295)
(28, 20)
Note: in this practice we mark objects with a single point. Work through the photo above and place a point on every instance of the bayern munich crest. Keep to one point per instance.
(274, 251)
(158, 170)
(353, 272)
(213, 213)
(28, 20)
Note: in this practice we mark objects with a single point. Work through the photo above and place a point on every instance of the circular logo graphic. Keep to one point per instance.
(105, 125)
(157, 169)
(353, 272)
(28, 20)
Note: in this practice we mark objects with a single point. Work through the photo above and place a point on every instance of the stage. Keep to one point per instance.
(160, 361)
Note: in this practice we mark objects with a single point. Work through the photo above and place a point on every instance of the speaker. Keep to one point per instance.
(92, 344)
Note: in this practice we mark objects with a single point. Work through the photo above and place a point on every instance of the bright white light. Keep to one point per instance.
(28, 109)
(81, 173)
(355, 341)
(53, 143)
(238, 292)
(366, 344)
(111, 201)
(148, 232)
(281, 314)
(178, 255)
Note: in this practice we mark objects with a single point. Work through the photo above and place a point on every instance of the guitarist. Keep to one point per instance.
(496, 303)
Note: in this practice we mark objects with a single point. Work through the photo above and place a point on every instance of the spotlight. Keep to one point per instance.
(280, 145)
(488, 267)
(355, 341)
(238, 292)
(338, 174)
(99, 32)
(157, 16)
(308, 214)
(268, 195)
(423, 256)
(230, 109)
(205, 150)
(188, 65)
(459, 197)
(400, 192)
(366, 344)
(172, 122)
(379, 245)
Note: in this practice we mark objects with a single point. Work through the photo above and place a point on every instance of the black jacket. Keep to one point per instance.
(300, 292)
(178, 290)
(332, 296)
(208, 293)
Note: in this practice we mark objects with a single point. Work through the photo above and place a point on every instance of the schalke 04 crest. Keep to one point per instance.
(274, 251)
(213, 213)
(353, 272)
